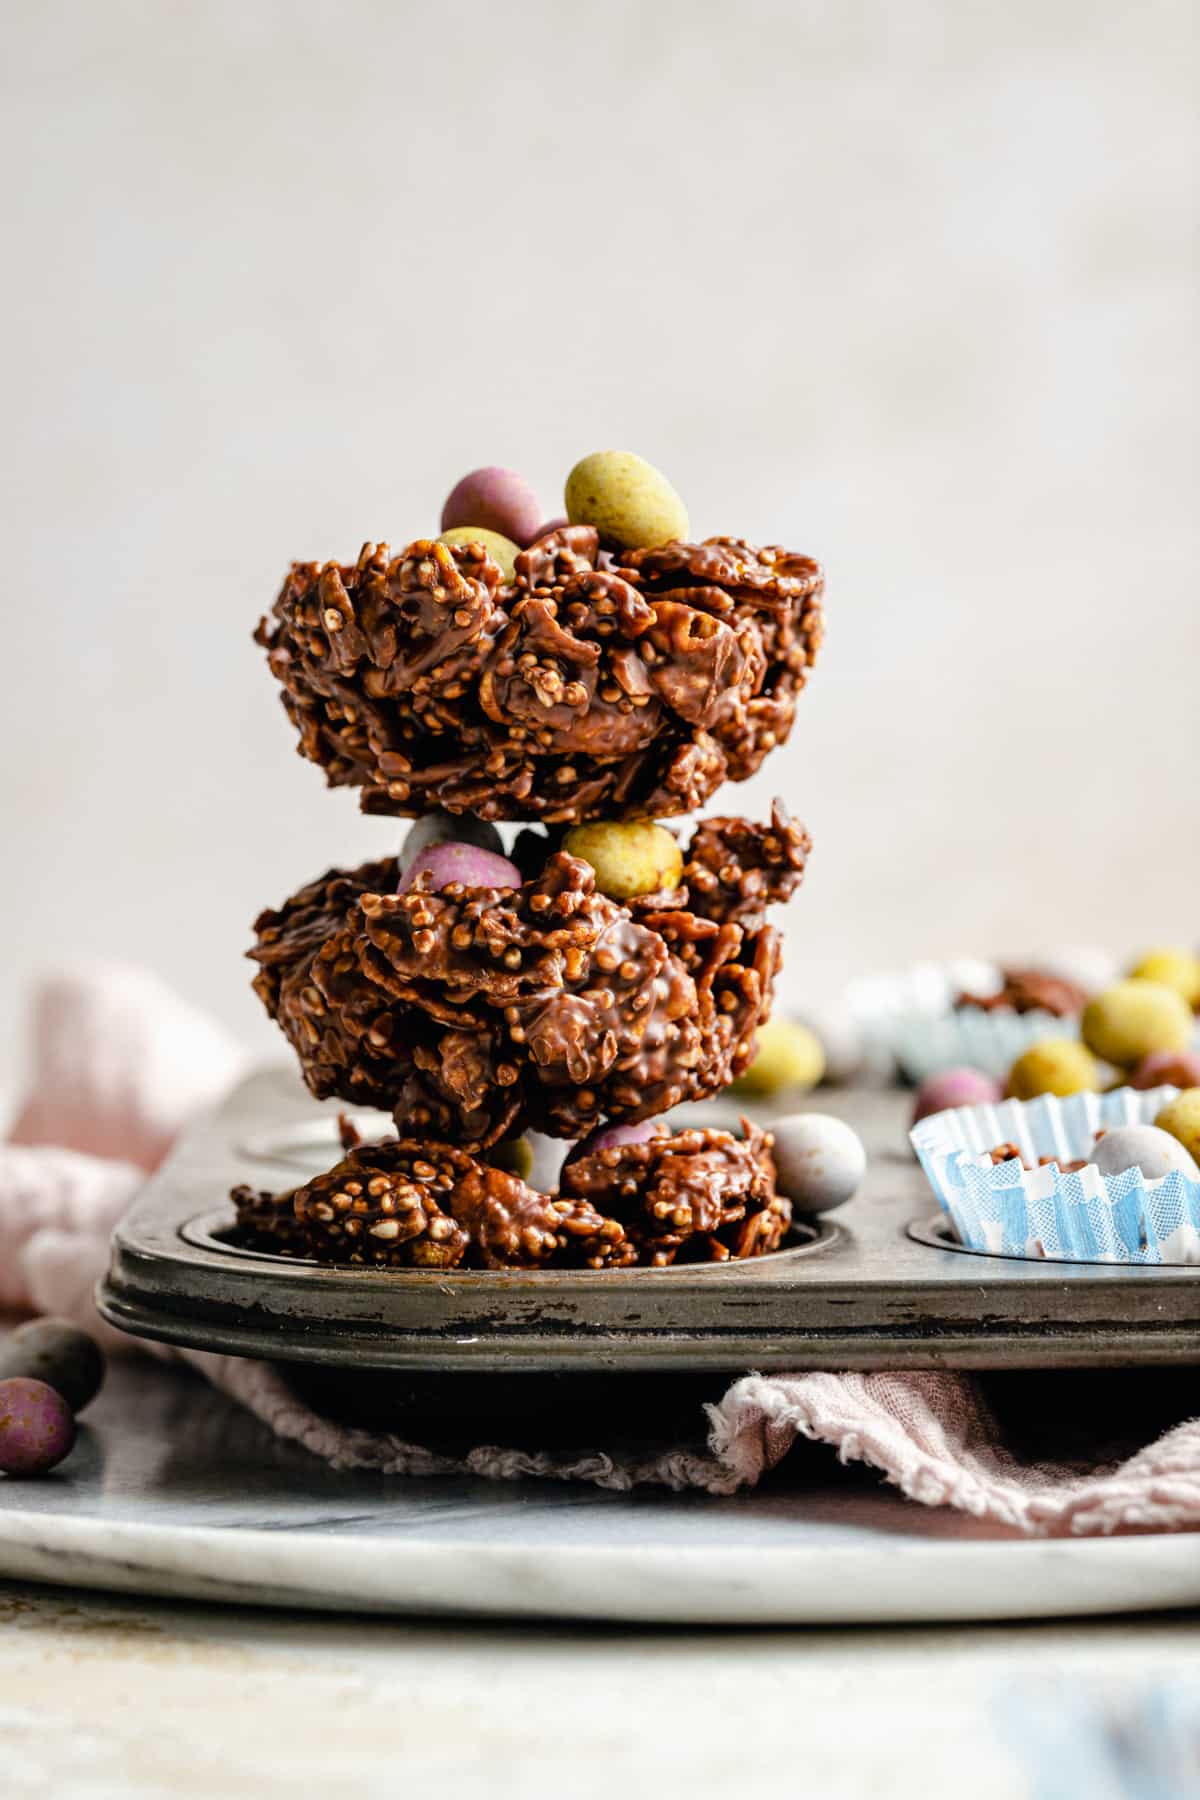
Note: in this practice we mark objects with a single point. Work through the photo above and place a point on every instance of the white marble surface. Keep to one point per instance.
(173, 1490)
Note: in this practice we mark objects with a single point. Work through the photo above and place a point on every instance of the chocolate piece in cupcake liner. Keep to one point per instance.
(476, 1014)
(588, 687)
(1047, 1210)
(699, 1196)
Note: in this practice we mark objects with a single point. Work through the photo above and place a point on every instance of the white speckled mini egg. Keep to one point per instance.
(819, 1161)
(1156, 1153)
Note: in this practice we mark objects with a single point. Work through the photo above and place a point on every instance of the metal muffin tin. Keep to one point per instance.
(879, 1284)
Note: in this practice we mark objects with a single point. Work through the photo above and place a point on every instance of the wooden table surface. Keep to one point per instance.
(103, 1697)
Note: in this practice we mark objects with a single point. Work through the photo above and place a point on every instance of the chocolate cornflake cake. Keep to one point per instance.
(620, 685)
(587, 681)
(479, 1013)
(1031, 990)
(697, 1196)
(690, 1196)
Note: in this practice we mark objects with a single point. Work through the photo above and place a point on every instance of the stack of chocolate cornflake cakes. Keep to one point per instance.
(586, 678)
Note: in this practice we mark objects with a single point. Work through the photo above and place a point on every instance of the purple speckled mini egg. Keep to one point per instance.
(466, 863)
(954, 1087)
(37, 1428)
(615, 1137)
(499, 500)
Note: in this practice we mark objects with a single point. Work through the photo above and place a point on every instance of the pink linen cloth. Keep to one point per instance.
(120, 1063)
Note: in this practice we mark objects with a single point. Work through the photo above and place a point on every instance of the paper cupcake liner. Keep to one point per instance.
(1008, 1210)
(909, 1021)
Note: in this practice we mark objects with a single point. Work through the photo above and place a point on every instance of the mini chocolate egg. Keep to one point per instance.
(440, 827)
(626, 499)
(613, 1137)
(549, 525)
(1168, 1068)
(58, 1353)
(501, 549)
(1177, 969)
(630, 856)
(1129, 1020)
(841, 1045)
(514, 1156)
(458, 862)
(1155, 1152)
(499, 500)
(788, 1058)
(1053, 1066)
(1181, 1117)
(961, 1086)
(37, 1428)
(819, 1161)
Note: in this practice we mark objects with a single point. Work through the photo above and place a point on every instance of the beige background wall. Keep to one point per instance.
(909, 287)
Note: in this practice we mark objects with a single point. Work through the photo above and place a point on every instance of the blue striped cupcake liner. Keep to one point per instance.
(1008, 1210)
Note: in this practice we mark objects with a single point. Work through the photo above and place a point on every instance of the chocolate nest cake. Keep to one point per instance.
(478, 1013)
(580, 995)
(589, 686)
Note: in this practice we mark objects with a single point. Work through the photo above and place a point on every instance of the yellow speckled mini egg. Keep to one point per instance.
(1130, 1020)
(627, 500)
(1053, 1066)
(502, 550)
(1177, 969)
(1181, 1117)
(630, 856)
(787, 1056)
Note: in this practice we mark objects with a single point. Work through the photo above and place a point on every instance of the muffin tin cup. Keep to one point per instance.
(1008, 1210)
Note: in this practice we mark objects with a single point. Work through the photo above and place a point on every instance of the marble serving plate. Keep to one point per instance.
(879, 1285)
(175, 1490)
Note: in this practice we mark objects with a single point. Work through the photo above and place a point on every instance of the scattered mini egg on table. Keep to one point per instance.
(1181, 1117)
(960, 1086)
(1167, 1068)
(1054, 1066)
(819, 1161)
(629, 857)
(626, 499)
(841, 1045)
(467, 864)
(1146, 1147)
(1133, 1018)
(788, 1058)
(37, 1427)
(499, 500)
(1173, 968)
(58, 1353)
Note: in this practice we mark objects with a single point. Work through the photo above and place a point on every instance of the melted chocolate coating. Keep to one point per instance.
(590, 686)
(476, 1014)
(735, 869)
